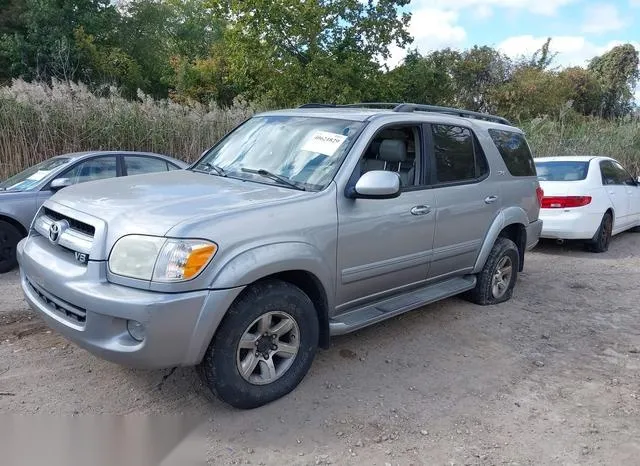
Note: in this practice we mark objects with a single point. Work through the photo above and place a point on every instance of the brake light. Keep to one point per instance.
(565, 202)
(540, 194)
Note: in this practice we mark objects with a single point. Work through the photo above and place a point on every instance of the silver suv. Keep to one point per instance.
(298, 225)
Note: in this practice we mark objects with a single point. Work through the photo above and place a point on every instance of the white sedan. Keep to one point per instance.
(587, 198)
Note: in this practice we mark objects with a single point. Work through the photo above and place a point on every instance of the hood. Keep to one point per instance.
(155, 203)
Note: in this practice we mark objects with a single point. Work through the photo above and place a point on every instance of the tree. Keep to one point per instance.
(476, 74)
(617, 71)
(288, 51)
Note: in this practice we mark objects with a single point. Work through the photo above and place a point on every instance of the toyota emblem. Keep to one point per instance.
(56, 229)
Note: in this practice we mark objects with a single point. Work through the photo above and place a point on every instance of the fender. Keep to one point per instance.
(506, 217)
(259, 262)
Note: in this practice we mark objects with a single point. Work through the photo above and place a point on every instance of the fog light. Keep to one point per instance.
(136, 330)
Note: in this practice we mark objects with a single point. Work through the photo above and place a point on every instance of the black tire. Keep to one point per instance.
(219, 368)
(10, 236)
(602, 238)
(483, 294)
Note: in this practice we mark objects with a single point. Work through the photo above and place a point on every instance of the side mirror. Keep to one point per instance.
(60, 183)
(378, 184)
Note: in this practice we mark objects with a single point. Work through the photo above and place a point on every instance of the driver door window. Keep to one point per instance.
(395, 149)
(91, 170)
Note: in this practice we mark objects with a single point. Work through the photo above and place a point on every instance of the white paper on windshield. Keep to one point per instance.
(37, 176)
(324, 143)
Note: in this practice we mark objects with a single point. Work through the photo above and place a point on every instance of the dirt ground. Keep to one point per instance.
(552, 377)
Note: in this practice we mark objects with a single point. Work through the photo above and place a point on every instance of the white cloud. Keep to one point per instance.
(602, 18)
(571, 50)
(431, 29)
(541, 7)
(634, 3)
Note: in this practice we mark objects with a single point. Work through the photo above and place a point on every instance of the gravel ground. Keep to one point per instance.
(551, 377)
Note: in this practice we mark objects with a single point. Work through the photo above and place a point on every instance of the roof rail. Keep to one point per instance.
(451, 111)
(406, 107)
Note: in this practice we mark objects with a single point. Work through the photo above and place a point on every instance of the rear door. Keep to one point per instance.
(613, 180)
(467, 199)
(633, 194)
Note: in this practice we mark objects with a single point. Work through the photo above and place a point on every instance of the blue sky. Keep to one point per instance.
(580, 29)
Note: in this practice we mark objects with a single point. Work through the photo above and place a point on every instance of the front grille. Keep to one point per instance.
(59, 306)
(73, 223)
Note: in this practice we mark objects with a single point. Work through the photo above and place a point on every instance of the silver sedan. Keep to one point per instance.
(22, 195)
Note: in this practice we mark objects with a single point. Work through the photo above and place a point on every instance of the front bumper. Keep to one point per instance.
(77, 301)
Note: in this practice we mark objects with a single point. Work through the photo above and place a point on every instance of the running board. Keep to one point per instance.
(390, 307)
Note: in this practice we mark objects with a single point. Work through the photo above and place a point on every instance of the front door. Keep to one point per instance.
(384, 245)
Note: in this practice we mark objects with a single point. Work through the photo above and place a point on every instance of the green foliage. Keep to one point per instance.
(287, 51)
(618, 73)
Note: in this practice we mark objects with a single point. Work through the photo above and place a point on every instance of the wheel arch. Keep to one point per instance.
(509, 223)
(13, 222)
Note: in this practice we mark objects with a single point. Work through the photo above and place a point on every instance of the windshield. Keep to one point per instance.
(26, 180)
(290, 151)
(562, 171)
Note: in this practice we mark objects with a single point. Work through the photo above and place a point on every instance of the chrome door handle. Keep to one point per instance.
(420, 210)
(490, 199)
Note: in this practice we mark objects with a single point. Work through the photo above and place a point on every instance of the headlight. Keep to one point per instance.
(160, 259)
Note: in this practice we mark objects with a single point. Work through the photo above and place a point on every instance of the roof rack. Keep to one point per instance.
(406, 107)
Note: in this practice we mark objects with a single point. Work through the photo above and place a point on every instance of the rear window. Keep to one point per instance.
(562, 171)
(514, 151)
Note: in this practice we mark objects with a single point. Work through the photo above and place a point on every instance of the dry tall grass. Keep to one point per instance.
(38, 121)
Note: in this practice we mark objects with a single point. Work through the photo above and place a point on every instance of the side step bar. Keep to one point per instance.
(390, 307)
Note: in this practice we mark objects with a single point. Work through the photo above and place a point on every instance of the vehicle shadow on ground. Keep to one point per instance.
(619, 247)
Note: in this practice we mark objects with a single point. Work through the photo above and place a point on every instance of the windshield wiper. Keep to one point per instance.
(273, 176)
(209, 167)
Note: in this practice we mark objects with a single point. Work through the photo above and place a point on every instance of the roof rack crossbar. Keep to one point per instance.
(407, 107)
(451, 111)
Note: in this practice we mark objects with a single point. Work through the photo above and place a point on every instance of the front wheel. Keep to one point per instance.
(264, 346)
(498, 277)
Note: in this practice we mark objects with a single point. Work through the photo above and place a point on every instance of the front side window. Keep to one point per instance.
(623, 175)
(27, 179)
(515, 152)
(304, 152)
(454, 153)
(92, 170)
(396, 149)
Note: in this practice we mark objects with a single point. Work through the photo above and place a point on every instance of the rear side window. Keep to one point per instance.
(562, 171)
(458, 156)
(514, 151)
(139, 165)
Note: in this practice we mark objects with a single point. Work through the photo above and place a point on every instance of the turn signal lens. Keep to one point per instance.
(182, 260)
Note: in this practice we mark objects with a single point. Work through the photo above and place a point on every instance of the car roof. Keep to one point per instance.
(367, 114)
(75, 156)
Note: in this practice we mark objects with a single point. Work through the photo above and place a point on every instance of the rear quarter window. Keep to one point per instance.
(515, 152)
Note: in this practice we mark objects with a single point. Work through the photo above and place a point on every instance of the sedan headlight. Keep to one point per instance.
(160, 259)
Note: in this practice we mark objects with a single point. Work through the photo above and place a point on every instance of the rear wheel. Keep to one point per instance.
(9, 239)
(264, 346)
(499, 275)
(602, 238)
